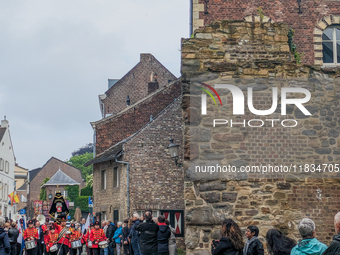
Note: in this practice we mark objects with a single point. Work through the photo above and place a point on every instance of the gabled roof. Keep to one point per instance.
(60, 178)
(23, 187)
(148, 97)
(33, 173)
(2, 132)
(114, 151)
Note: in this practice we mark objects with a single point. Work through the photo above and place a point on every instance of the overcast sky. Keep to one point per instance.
(56, 58)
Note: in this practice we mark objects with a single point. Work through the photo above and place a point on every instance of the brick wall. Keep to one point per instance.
(135, 84)
(266, 200)
(49, 169)
(279, 11)
(116, 128)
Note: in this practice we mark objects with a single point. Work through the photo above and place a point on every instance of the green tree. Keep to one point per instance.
(43, 195)
(78, 161)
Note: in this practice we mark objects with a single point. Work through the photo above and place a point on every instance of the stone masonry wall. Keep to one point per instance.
(206, 12)
(114, 129)
(255, 54)
(112, 198)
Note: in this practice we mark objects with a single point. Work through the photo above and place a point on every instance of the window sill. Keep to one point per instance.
(330, 68)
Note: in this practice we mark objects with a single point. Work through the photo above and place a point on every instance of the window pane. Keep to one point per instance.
(327, 52)
(338, 51)
(328, 34)
(337, 32)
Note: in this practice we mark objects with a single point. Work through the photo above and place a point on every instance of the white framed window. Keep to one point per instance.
(115, 177)
(103, 180)
(6, 167)
(6, 192)
(1, 191)
(65, 194)
(331, 46)
(2, 162)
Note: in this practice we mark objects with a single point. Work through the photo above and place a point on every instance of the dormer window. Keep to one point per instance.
(331, 46)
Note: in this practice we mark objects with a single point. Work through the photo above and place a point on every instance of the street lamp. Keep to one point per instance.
(49, 196)
(173, 149)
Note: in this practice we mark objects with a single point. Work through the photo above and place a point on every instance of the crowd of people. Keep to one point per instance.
(232, 241)
(146, 235)
(135, 236)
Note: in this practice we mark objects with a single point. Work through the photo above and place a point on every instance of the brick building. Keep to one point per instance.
(256, 55)
(132, 169)
(308, 18)
(37, 176)
(134, 85)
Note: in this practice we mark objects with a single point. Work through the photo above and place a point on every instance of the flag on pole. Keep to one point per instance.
(14, 198)
(88, 222)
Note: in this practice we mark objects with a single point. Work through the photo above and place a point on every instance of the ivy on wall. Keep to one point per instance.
(43, 194)
(293, 47)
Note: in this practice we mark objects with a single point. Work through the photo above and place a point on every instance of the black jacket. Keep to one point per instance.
(126, 232)
(133, 232)
(163, 235)
(13, 234)
(334, 247)
(110, 231)
(225, 247)
(148, 236)
(255, 248)
(5, 247)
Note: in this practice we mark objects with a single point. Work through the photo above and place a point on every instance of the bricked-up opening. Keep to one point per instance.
(115, 217)
(103, 180)
(115, 177)
(153, 86)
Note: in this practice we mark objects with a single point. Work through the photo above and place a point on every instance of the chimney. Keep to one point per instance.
(152, 86)
(146, 57)
(4, 123)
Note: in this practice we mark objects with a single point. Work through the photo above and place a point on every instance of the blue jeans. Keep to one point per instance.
(111, 250)
(135, 246)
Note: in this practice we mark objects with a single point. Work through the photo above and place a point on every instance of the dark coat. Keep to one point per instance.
(255, 248)
(13, 234)
(126, 232)
(111, 229)
(163, 235)
(225, 247)
(148, 236)
(334, 247)
(5, 247)
(133, 232)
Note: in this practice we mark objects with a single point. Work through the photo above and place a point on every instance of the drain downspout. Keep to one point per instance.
(127, 184)
(191, 18)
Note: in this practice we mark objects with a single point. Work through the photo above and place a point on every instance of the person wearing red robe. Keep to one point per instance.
(97, 235)
(63, 243)
(51, 240)
(75, 236)
(31, 234)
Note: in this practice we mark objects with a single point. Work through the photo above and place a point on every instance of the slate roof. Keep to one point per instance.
(32, 173)
(23, 187)
(109, 154)
(112, 152)
(2, 132)
(60, 178)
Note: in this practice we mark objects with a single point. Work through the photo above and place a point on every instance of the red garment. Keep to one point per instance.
(51, 240)
(96, 236)
(65, 238)
(46, 232)
(86, 238)
(74, 236)
(31, 232)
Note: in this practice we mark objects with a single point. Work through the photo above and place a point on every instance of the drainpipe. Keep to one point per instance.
(127, 184)
(191, 19)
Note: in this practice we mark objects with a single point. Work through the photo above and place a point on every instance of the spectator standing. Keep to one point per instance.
(309, 244)
(253, 245)
(148, 235)
(334, 247)
(231, 242)
(134, 236)
(126, 232)
(163, 236)
(4, 241)
(117, 237)
(172, 240)
(278, 243)
(13, 234)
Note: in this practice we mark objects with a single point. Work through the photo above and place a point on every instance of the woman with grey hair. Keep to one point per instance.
(309, 244)
(5, 247)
